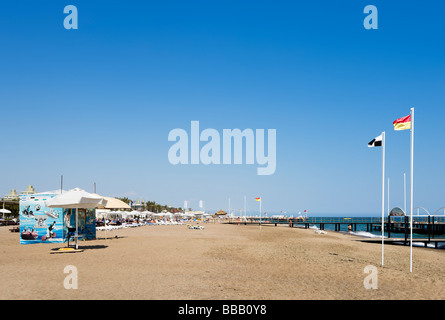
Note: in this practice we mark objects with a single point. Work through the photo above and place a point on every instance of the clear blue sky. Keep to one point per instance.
(96, 104)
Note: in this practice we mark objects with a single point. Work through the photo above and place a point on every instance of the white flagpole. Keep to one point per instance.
(229, 207)
(245, 208)
(383, 193)
(411, 200)
(261, 199)
(77, 232)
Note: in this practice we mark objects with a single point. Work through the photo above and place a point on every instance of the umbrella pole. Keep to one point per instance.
(77, 232)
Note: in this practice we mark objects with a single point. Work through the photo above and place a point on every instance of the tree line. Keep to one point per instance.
(151, 205)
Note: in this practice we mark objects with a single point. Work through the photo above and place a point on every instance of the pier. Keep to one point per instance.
(427, 228)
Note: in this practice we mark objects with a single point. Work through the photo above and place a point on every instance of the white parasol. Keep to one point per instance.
(76, 199)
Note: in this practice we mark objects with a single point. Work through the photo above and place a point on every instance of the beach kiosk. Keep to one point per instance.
(42, 224)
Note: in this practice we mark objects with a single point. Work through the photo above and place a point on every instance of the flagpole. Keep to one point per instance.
(411, 200)
(245, 208)
(229, 210)
(77, 232)
(260, 211)
(383, 192)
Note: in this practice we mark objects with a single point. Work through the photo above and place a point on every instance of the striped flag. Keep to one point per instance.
(258, 199)
(376, 142)
(402, 123)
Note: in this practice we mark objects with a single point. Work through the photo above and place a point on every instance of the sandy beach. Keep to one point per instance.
(220, 262)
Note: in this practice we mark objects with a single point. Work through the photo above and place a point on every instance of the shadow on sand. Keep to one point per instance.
(71, 249)
(110, 238)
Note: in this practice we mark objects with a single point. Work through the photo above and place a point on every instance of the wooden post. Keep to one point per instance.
(388, 227)
(433, 227)
(429, 228)
(406, 229)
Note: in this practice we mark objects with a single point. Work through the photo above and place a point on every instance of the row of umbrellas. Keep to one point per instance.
(80, 199)
(135, 213)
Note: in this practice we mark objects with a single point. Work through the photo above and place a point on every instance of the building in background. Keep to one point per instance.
(29, 190)
(11, 196)
(14, 196)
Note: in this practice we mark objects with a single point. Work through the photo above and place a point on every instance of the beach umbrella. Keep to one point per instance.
(188, 215)
(133, 213)
(145, 213)
(3, 211)
(220, 213)
(113, 213)
(76, 199)
(113, 203)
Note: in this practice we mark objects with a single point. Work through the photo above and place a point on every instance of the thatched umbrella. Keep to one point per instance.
(220, 213)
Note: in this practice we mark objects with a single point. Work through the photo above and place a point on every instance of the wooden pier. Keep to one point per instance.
(404, 241)
(428, 227)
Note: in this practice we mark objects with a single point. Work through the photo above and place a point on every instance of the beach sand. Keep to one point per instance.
(220, 262)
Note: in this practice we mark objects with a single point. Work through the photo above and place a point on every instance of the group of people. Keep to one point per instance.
(128, 222)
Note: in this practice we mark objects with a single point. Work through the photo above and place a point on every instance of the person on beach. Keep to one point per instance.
(349, 228)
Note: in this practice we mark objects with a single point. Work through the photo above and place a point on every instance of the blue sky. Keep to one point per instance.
(96, 104)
